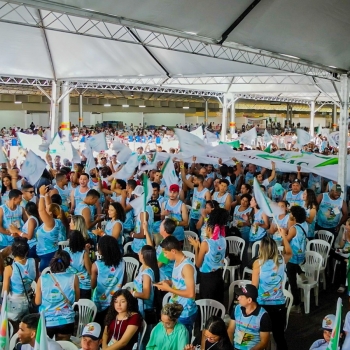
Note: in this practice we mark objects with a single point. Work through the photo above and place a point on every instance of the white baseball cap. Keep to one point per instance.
(92, 330)
(328, 322)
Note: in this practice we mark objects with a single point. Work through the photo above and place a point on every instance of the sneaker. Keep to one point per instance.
(303, 278)
(296, 309)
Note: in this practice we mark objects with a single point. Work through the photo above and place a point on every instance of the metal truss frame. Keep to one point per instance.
(82, 22)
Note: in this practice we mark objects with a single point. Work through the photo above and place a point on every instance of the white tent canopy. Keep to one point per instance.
(177, 44)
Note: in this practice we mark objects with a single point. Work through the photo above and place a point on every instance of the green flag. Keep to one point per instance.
(268, 149)
(234, 144)
(147, 190)
(334, 342)
(318, 130)
(41, 336)
(4, 334)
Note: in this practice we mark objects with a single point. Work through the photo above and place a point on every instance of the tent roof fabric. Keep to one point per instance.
(280, 48)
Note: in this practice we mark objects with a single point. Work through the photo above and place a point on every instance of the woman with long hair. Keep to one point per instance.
(77, 222)
(107, 275)
(214, 336)
(311, 207)
(123, 322)
(202, 222)
(55, 293)
(18, 276)
(282, 222)
(268, 276)
(260, 222)
(210, 256)
(80, 263)
(169, 334)
(245, 189)
(114, 226)
(6, 187)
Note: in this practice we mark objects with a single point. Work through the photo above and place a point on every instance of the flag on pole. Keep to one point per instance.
(57, 146)
(334, 341)
(32, 168)
(270, 208)
(128, 169)
(169, 174)
(147, 190)
(267, 137)
(3, 157)
(190, 144)
(318, 132)
(248, 137)
(303, 137)
(4, 334)
(268, 149)
(90, 160)
(41, 335)
(97, 142)
(198, 132)
(234, 144)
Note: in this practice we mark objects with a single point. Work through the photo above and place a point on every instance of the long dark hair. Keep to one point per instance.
(60, 262)
(32, 210)
(3, 187)
(76, 241)
(109, 249)
(216, 325)
(150, 257)
(310, 199)
(132, 303)
(120, 211)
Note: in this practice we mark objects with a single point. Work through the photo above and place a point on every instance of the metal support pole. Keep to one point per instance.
(334, 117)
(65, 124)
(206, 113)
(343, 132)
(53, 110)
(233, 117)
(312, 118)
(290, 115)
(224, 119)
(81, 111)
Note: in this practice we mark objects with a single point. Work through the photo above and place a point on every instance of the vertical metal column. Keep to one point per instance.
(224, 119)
(290, 115)
(334, 118)
(343, 131)
(65, 125)
(287, 116)
(81, 111)
(53, 110)
(312, 118)
(206, 113)
(233, 117)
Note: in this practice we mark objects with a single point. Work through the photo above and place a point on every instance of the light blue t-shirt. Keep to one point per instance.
(138, 287)
(28, 274)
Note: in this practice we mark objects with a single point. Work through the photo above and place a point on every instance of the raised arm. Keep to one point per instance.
(47, 219)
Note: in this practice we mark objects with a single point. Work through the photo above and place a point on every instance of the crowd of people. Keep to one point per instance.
(94, 212)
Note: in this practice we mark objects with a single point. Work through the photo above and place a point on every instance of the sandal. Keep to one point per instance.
(341, 289)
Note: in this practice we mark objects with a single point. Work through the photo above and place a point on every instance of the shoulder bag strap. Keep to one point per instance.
(302, 229)
(66, 300)
(24, 287)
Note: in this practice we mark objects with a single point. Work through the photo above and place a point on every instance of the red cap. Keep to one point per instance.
(174, 188)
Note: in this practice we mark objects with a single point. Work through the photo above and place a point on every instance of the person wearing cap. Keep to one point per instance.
(332, 212)
(91, 337)
(276, 192)
(327, 327)
(295, 195)
(176, 210)
(200, 196)
(27, 334)
(250, 325)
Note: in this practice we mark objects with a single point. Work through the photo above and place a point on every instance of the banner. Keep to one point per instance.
(248, 137)
(257, 122)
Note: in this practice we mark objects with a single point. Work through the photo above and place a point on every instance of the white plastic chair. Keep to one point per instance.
(46, 270)
(235, 246)
(33, 285)
(189, 255)
(231, 290)
(208, 308)
(325, 235)
(129, 286)
(87, 312)
(144, 328)
(322, 247)
(289, 303)
(311, 268)
(187, 246)
(131, 268)
(63, 244)
(166, 298)
(255, 253)
(126, 247)
(14, 340)
(66, 345)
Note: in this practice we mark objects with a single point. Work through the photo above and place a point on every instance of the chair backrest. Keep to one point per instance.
(235, 246)
(87, 313)
(187, 246)
(289, 303)
(144, 328)
(208, 308)
(325, 235)
(131, 268)
(281, 249)
(14, 340)
(33, 285)
(46, 270)
(126, 247)
(231, 290)
(320, 246)
(225, 268)
(63, 244)
(189, 255)
(339, 237)
(129, 286)
(66, 345)
(255, 249)
(313, 264)
(166, 298)
(10, 330)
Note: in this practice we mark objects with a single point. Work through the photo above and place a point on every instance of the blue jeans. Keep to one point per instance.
(45, 260)
(32, 253)
(188, 323)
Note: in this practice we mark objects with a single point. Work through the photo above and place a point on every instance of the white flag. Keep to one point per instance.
(30, 142)
(303, 137)
(190, 145)
(210, 136)
(57, 147)
(169, 174)
(97, 142)
(138, 204)
(3, 157)
(128, 169)
(90, 160)
(198, 132)
(267, 137)
(32, 168)
(248, 137)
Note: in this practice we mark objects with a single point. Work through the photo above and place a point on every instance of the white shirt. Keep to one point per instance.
(52, 345)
